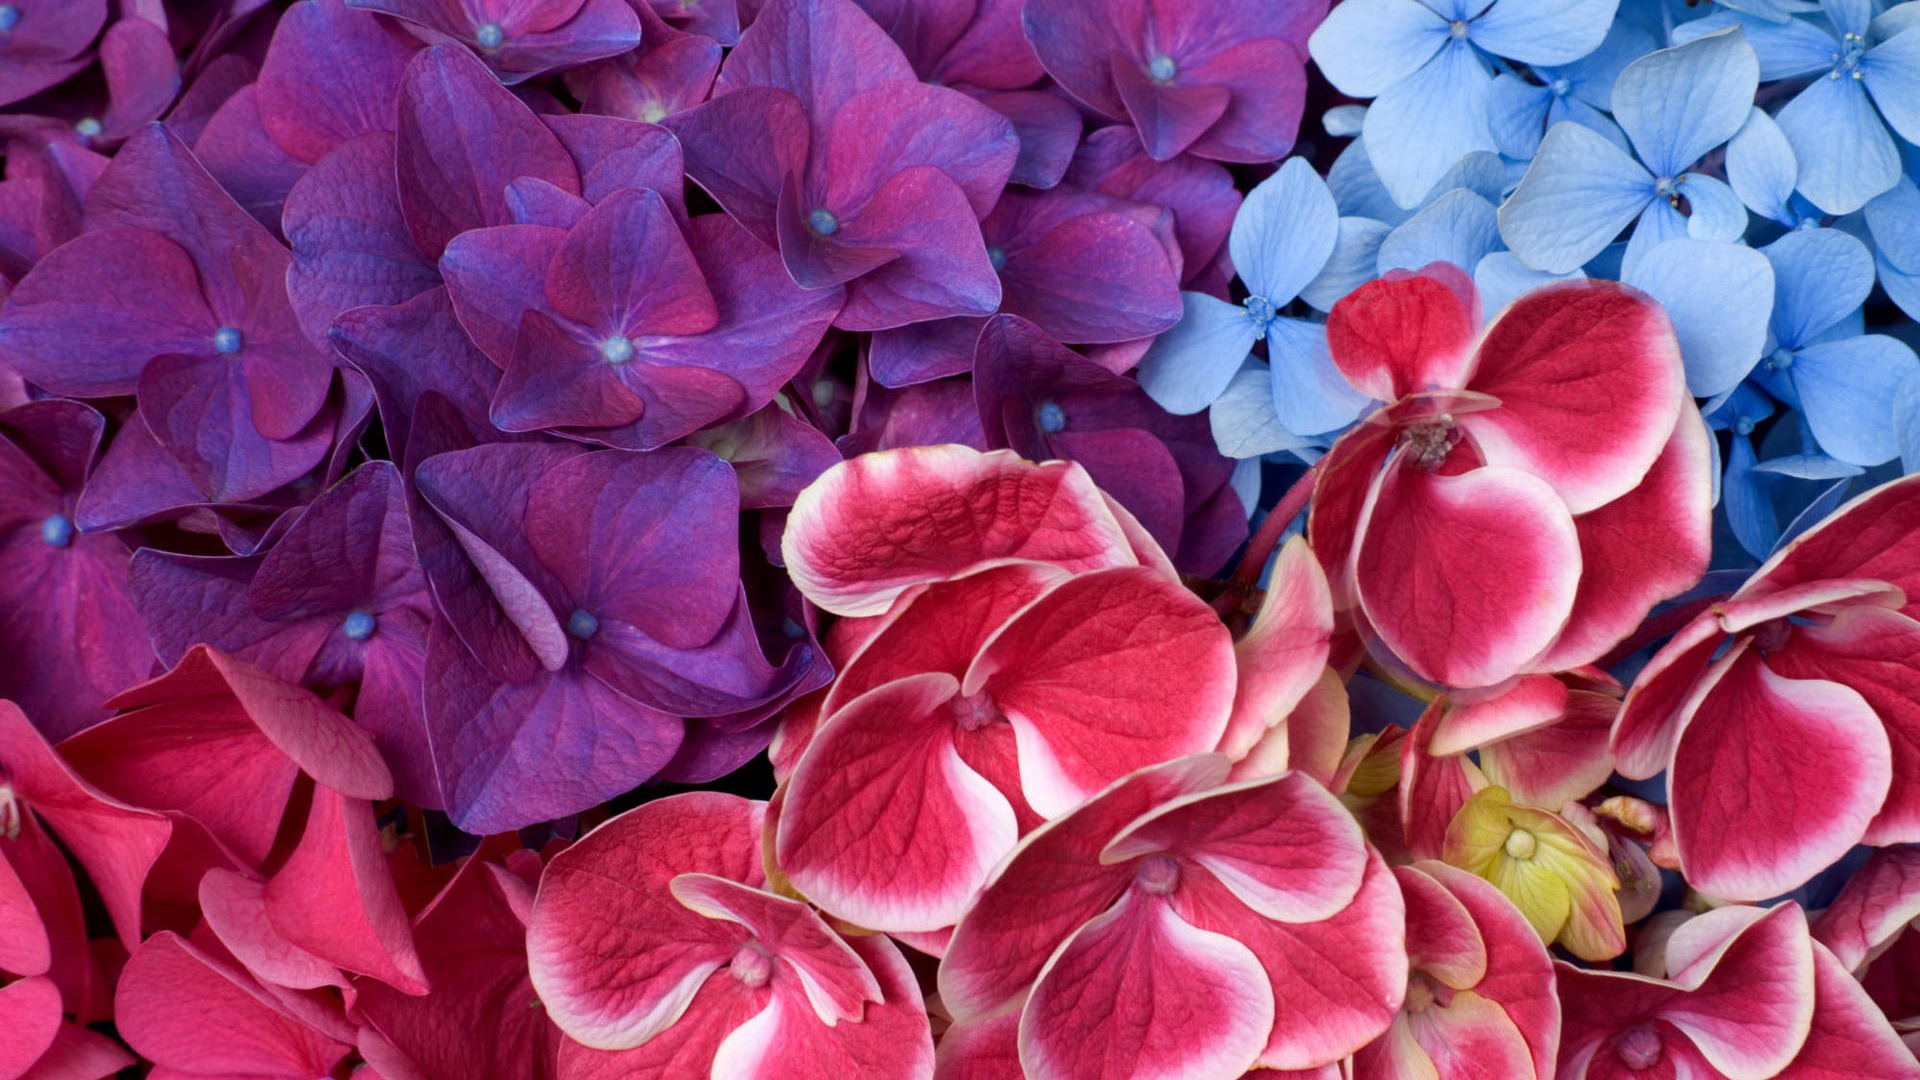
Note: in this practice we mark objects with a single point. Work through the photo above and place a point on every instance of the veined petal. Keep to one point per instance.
(1676, 104)
(1846, 389)
(1284, 232)
(1188, 367)
(1420, 126)
(1556, 32)
(1719, 296)
(1580, 191)
(1365, 48)
(1405, 334)
(1846, 155)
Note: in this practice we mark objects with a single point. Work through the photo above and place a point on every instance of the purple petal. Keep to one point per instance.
(331, 74)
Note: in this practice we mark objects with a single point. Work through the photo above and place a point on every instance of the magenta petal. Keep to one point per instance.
(1403, 335)
(837, 984)
(1875, 536)
(1281, 656)
(743, 148)
(1531, 702)
(200, 409)
(787, 1040)
(820, 51)
(1873, 908)
(351, 245)
(843, 839)
(494, 277)
(553, 379)
(774, 454)
(389, 345)
(1267, 77)
(943, 269)
(626, 269)
(1049, 130)
(1773, 778)
(80, 1053)
(1140, 991)
(237, 152)
(329, 76)
(1169, 117)
(235, 910)
(31, 1007)
(1850, 1036)
(1559, 763)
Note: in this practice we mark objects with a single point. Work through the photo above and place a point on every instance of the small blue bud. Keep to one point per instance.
(359, 626)
(226, 341)
(1052, 417)
(57, 530)
(9, 18)
(489, 35)
(1162, 68)
(582, 625)
(998, 257)
(616, 350)
(823, 223)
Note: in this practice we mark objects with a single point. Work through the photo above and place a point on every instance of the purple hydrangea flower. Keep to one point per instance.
(520, 40)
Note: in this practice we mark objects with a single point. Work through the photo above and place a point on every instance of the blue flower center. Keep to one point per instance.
(1560, 87)
(1847, 60)
(1260, 313)
(57, 530)
(617, 349)
(489, 35)
(823, 223)
(1743, 426)
(1162, 68)
(1780, 359)
(1458, 29)
(1052, 417)
(359, 626)
(998, 257)
(582, 625)
(9, 18)
(88, 128)
(226, 341)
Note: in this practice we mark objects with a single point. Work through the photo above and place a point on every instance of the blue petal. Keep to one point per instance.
(1357, 189)
(1761, 167)
(1246, 483)
(1846, 393)
(1517, 115)
(1659, 224)
(1355, 261)
(1284, 232)
(1581, 113)
(1244, 423)
(1719, 296)
(1501, 278)
(1816, 511)
(1786, 50)
(1591, 79)
(1900, 19)
(1906, 423)
(1808, 467)
(1365, 46)
(1344, 121)
(1310, 396)
(1748, 497)
(1714, 212)
(1849, 16)
(1459, 227)
(1188, 366)
(1891, 72)
(1576, 197)
(1775, 11)
(1846, 156)
(1676, 104)
(1903, 288)
(1543, 31)
(1893, 220)
(1820, 277)
(1426, 122)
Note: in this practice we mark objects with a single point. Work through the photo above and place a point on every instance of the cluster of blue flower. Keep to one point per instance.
(1750, 164)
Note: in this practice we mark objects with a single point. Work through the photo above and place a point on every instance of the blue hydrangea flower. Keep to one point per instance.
(1866, 79)
(1521, 110)
(1675, 105)
(1281, 239)
(1841, 381)
(1428, 67)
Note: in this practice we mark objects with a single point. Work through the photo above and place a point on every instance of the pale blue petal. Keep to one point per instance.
(1579, 112)
(1816, 511)
(1714, 212)
(1774, 11)
(1761, 167)
(1310, 396)
(1847, 390)
(1343, 121)
(1715, 466)
(1719, 296)
(1903, 288)
(1906, 422)
(1846, 156)
(1898, 20)
(1849, 16)
(1426, 122)
(1891, 73)
(1189, 365)
(1284, 232)
(1786, 50)
(1591, 79)
(1459, 228)
(1517, 115)
(1244, 423)
(1808, 467)
(1246, 483)
(1659, 224)
(1676, 104)
(1501, 278)
(1482, 172)
(1365, 46)
(1543, 31)
(1820, 277)
(1893, 219)
(1576, 197)
(1357, 189)
(1355, 261)
(1748, 498)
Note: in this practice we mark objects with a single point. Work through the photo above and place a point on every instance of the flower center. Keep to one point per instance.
(1847, 61)
(582, 625)
(226, 340)
(1560, 87)
(1521, 845)
(1779, 359)
(1458, 29)
(823, 223)
(359, 625)
(724, 450)
(617, 349)
(10, 811)
(1052, 417)
(1772, 636)
(57, 530)
(1428, 442)
(823, 394)
(9, 18)
(1423, 993)
(751, 966)
(1158, 875)
(1639, 1049)
(1162, 68)
(87, 128)
(489, 35)
(1259, 313)
(974, 711)
(998, 257)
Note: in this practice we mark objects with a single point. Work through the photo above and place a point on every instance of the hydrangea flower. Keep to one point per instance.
(519, 41)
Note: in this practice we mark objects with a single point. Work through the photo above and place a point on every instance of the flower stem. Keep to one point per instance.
(1246, 576)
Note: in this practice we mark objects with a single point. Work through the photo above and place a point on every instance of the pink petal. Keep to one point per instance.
(1348, 475)
(1138, 992)
(184, 1010)
(24, 948)
(1284, 846)
(788, 1042)
(1442, 939)
(1282, 655)
(718, 1007)
(1315, 735)
(1649, 722)
(615, 959)
(117, 844)
(1455, 616)
(1874, 536)
(1873, 907)
(837, 984)
(1875, 653)
(1050, 885)
(1558, 764)
(982, 1050)
(1644, 547)
(1472, 1038)
(1470, 720)
(79, 1053)
(30, 1008)
(1850, 1036)
(1773, 779)
(1433, 787)
(235, 909)
(335, 897)
(1589, 380)
(1750, 1015)
(1519, 971)
(1110, 672)
(1405, 334)
(871, 527)
(884, 825)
